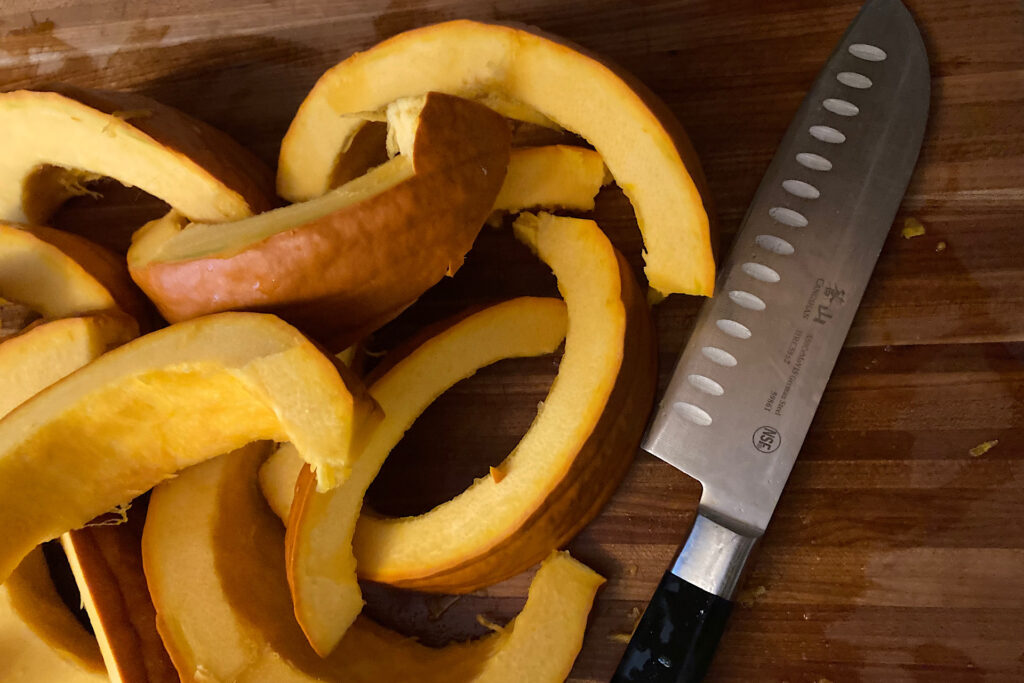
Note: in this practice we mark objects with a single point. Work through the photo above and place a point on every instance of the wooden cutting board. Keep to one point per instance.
(894, 554)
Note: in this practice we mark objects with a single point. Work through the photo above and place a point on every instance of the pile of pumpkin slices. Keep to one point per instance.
(247, 415)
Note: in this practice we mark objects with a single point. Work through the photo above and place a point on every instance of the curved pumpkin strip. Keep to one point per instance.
(40, 640)
(46, 278)
(321, 564)
(643, 145)
(163, 402)
(224, 610)
(574, 454)
(62, 136)
(552, 177)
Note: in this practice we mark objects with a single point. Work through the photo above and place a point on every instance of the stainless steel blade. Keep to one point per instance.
(749, 381)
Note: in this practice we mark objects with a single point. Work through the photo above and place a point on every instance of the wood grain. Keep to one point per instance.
(894, 555)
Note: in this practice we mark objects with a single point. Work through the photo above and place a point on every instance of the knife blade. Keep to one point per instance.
(749, 380)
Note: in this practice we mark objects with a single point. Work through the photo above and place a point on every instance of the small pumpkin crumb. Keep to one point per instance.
(983, 448)
(912, 228)
(620, 637)
(940, 247)
(747, 598)
(497, 474)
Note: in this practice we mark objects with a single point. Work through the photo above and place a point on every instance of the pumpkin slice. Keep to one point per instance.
(40, 640)
(562, 472)
(321, 566)
(61, 137)
(224, 611)
(574, 454)
(59, 274)
(376, 243)
(643, 145)
(156, 405)
(552, 177)
(47, 352)
(106, 561)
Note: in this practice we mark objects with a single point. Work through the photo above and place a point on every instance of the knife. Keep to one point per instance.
(750, 378)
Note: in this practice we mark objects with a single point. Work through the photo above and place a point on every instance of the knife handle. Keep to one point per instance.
(676, 638)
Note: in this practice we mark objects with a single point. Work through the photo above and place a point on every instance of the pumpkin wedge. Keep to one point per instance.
(321, 565)
(552, 177)
(59, 274)
(225, 614)
(60, 137)
(376, 243)
(106, 561)
(574, 454)
(642, 144)
(564, 469)
(165, 401)
(40, 640)
(48, 351)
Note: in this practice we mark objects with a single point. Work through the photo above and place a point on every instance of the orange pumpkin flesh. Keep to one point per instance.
(212, 553)
(552, 177)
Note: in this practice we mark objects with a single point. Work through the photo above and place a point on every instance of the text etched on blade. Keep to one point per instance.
(823, 302)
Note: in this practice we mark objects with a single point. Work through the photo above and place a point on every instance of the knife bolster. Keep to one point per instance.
(713, 557)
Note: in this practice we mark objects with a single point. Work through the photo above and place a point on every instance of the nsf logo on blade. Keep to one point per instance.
(767, 439)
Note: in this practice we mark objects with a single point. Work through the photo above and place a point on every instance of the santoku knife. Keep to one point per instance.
(750, 378)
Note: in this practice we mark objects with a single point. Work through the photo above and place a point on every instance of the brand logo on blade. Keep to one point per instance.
(767, 439)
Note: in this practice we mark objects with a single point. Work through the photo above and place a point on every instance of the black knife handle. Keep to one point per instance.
(677, 636)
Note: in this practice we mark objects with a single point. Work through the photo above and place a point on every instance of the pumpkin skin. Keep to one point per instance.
(372, 258)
